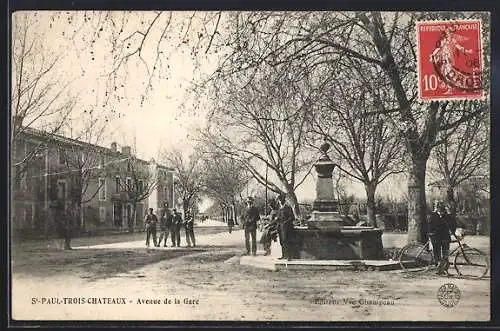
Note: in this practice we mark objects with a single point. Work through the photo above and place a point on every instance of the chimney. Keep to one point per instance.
(126, 150)
(113, 146)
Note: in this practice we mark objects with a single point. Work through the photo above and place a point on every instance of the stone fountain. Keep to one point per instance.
(327, 235)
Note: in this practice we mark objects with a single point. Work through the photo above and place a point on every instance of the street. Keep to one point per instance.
(207, 283)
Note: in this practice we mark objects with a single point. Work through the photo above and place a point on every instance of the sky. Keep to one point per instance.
(161, 122)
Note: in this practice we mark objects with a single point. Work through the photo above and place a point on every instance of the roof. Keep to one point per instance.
(75, 142)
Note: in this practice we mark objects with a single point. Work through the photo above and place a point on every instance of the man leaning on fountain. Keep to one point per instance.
(286, 218)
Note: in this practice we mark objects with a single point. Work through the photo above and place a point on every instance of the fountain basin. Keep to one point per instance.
(343, 243)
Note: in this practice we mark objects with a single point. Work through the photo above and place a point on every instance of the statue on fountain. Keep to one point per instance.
(328, 235)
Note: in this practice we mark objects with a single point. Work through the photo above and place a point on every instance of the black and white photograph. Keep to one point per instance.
(293, 166)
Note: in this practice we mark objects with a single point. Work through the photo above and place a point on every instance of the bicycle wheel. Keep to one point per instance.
(414, 256)
(471, 262)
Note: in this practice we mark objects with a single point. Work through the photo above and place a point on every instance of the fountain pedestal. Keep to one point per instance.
(326, 237)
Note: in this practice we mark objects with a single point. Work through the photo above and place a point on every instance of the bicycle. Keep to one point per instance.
(467, 261)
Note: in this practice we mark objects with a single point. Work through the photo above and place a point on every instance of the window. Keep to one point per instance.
(165, 192)
(129, 166)
(62, 156)
(102, 214)
(140, 186)
(129, 184)
(117, 184)
(102, 189)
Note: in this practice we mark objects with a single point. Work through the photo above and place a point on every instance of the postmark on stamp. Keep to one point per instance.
(450, 60)
(448, 295)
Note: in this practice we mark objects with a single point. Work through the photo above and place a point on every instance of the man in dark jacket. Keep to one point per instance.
(286, 217)
(189, 225)
(439, 226)
(250, 225)
(165, 225)
(176, 229)
(150, 224)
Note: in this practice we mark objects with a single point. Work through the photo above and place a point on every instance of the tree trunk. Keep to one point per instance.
(131, 220)
(185, 206)
(234, 212)
(48, 216)
(221, 211)
(450, 200)
(417, 207)
(295, 203)
(370, 204)
(68, 220)
(67, 241)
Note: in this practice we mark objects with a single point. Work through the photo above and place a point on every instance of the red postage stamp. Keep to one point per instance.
(450, 60)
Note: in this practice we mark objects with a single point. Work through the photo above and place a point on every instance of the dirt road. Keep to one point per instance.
(178, 284)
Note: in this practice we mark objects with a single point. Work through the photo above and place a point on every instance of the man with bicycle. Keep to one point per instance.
(439, 226)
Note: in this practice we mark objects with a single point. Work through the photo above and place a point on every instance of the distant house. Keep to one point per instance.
(48, 180)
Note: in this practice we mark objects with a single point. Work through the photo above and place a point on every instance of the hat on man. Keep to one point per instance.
(439, 205)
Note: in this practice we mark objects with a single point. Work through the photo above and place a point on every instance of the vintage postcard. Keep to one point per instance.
(250, 166)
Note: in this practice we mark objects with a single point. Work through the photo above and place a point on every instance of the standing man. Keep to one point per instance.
(439, 226)
(250, 225)
(165, 225)
(176, 229)
(189, 225)
(150, 224)
(286, 218)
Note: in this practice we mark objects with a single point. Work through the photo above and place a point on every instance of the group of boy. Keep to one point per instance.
(440, 226)
(282, 215)
(170, 224)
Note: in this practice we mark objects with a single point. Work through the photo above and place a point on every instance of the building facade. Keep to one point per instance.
(101, 188)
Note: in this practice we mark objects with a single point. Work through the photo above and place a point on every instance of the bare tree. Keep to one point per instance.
(462, 155)
(261, 120)
(225, 179)
(143, 41)
(82, 159)
(190, 178)
(359, 134)
(140, 181)
(246, 41)
(382, 40)
(39, 97)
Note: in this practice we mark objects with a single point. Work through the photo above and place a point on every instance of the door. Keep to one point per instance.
(128, 215)
(117, 214)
